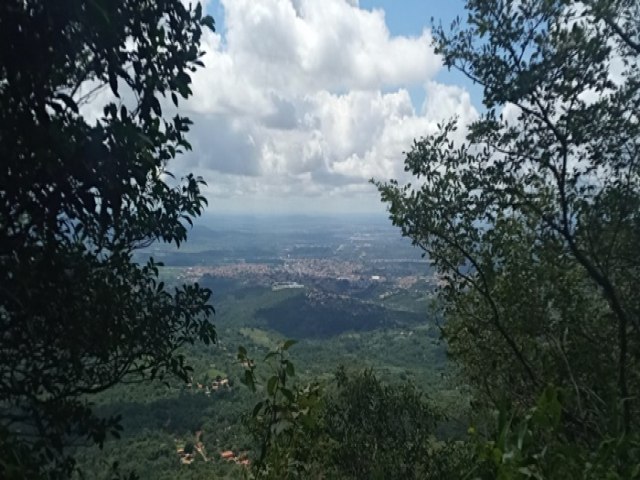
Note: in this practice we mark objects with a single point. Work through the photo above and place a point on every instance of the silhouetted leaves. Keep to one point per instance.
(77, 197)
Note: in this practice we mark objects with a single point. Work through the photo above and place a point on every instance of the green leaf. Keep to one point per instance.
(290, 369)
(208, 22)
(100, 9)
(113, 82)
(155, 106)
(249, 380)
(270, 355)
(257, 408)
(69, 102)
(287, 344)
(288, 394)
(271, 385)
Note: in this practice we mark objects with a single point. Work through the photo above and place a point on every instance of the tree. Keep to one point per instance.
(189, 448)
(533, 221)
(284, 423)
(357, 428)
(78, 196)
(377, 430)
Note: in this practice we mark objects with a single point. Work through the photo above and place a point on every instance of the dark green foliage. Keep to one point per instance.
(377, 431)
(533, 224)
(535, 445)
(300, 316)
(77, 197)
(189, 447)
(282, 421)
(156, 419)
(354, 428)
(533, 221)
(156, 422)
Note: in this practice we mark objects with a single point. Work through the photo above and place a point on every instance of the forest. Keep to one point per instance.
(489, 330)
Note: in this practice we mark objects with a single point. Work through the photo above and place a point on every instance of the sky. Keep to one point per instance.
(301, 102)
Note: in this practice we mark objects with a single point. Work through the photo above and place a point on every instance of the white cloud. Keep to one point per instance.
(303, 44)
(302, 101)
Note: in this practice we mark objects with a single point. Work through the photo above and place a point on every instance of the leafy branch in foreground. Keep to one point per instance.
(533, 222)
(282, 420)
(83, 184)
(354, 427)
(533, 445)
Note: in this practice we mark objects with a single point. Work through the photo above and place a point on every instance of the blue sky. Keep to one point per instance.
(301, 102)
(404, 17)
(410, 17)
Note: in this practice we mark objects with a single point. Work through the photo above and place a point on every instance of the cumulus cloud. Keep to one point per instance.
(307, 100)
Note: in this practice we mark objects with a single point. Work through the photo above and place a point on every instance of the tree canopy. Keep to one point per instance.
(356, 427)
(80, 190)
(533, 220)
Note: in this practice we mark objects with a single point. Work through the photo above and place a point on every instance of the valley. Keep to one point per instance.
(350, 291)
